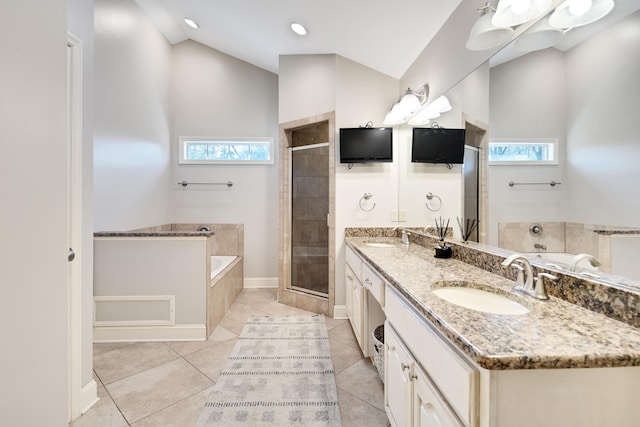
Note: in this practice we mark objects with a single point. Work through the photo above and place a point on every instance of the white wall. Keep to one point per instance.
(445, 61)
(528, 100)
(469, 100)
(362, 95)
(214, 94)
(306, 86)
(586, 98)
(310, 85)
(33, 220)
(603, 97)
(132, 185)
(80, 24)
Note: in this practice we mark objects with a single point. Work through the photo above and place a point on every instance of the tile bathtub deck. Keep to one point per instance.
(166, 383)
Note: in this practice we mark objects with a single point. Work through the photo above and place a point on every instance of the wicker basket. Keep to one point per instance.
(378, 347)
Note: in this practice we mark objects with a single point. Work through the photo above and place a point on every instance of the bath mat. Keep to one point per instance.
(280, 374)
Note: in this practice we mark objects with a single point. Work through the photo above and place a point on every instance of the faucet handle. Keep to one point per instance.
(540, 291)
(520, 277)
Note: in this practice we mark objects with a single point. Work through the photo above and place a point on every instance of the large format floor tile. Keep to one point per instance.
(166, 384)
(131, 359)
(147, 392)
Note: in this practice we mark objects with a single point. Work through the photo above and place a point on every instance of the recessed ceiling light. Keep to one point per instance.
(190, 22)
(299, 29)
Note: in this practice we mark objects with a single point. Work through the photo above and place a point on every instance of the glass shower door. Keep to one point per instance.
(309, 211)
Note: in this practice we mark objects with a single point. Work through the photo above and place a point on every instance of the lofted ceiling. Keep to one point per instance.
(384, 35)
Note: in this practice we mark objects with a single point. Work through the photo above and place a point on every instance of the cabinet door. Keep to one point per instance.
(429, 408)
(357, 304)
(349, 278)
(397, 382)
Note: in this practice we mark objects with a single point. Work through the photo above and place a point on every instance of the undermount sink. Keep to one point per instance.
(480, 300)
(380, 245)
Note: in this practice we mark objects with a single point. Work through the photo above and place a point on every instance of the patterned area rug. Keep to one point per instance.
(279, 374)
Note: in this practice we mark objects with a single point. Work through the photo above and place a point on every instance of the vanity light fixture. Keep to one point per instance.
(576, 13)
(431, 111)
(510, 13)
(299, 29)
(485, 34)
(408, 105)
(540, 36)
(190, 22)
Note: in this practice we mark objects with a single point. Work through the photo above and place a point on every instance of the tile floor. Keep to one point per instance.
(166, 383)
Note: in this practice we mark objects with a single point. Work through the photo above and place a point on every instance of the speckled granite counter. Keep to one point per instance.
(153, 234)
(554, 334)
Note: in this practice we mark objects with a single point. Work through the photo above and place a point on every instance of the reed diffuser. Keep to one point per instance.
(467, 230)
(442, 250)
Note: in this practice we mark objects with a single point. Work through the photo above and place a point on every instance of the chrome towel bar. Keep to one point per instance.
(552, 183)
(185, 183)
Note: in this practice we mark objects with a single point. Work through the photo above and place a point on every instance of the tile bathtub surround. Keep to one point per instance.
(554, 334)
(617, 301)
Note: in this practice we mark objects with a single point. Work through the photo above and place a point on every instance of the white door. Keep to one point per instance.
(33, 218)
(74, 215)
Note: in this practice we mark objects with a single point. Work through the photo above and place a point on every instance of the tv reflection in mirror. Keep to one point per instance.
(366, 145)
(438, 145)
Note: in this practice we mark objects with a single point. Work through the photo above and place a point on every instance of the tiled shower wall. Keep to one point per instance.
(309, 231)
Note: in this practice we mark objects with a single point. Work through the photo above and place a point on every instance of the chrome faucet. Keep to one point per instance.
(540, 246)
(405, 234)
(576, 259)
(524, 281)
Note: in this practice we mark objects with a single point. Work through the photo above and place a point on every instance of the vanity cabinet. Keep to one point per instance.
(364, 290)
(410, 397)
(423, 371)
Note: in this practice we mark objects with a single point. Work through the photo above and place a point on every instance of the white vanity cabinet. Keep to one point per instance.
(364, 290)
(410, 397)
(423, 371)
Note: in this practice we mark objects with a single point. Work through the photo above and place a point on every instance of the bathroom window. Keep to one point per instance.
(523, 152)
(216, 150)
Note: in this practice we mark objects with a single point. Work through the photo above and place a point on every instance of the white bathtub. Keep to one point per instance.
(219, 263)
(561, 258)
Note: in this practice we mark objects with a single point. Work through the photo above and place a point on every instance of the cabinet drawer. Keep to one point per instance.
(454, 377)
(354, 261)
(373, 283)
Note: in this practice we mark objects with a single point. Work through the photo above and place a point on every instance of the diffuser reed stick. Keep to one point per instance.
(470, 226)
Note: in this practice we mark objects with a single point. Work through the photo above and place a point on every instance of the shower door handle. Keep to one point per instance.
(71, 255)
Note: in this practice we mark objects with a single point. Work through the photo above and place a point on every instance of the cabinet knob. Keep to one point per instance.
(404, 366)
(368, 282)
(349, 277)
(413, 377)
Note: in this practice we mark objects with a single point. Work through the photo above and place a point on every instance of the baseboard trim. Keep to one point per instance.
(149, 333)
(260, 282)
(340, 312)
(88, 396)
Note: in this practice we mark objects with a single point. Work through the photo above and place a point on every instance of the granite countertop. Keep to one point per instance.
(554, 334)
(161, 233)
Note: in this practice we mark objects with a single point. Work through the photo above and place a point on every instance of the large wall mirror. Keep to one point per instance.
(576, 94)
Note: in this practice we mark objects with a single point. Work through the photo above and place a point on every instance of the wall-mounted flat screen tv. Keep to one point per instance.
(437, 145)
(366, 145)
